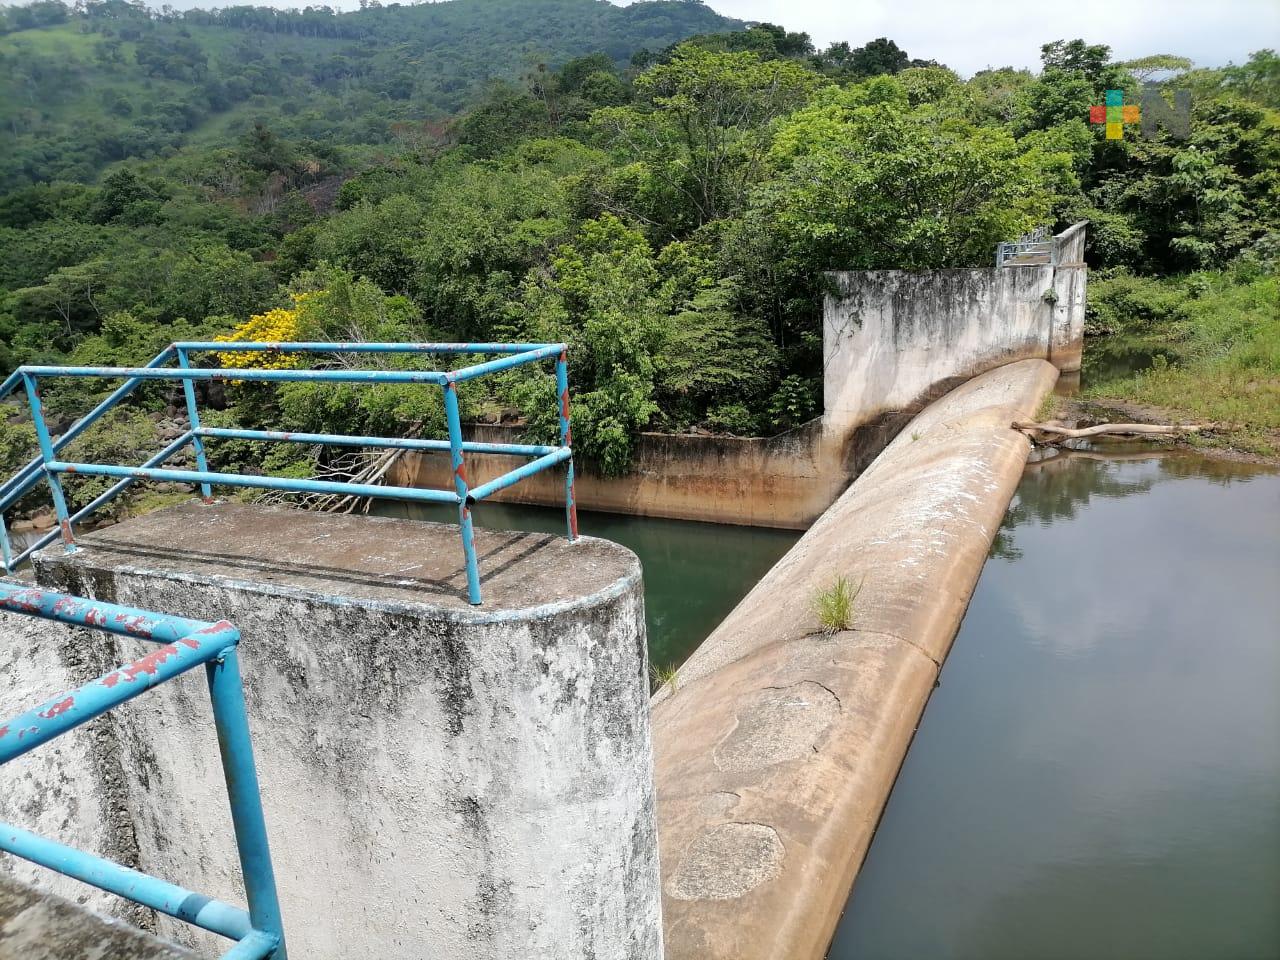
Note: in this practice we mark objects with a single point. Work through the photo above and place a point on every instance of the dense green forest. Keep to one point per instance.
(109, 80)
(577, 173)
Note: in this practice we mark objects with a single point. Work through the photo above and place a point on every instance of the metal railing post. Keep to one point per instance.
(193, 419)
(541, 457)
(226, 693)
(4, 544)
(25, 478)
(454, 421)
(47, 455)
(566, 440)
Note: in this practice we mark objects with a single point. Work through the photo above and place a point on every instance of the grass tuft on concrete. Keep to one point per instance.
(664, 676)
(834, 605)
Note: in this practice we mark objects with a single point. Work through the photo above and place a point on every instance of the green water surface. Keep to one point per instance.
(694, 573)
(1098, 775)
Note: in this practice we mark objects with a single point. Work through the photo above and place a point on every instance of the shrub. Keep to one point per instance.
(1126, 303)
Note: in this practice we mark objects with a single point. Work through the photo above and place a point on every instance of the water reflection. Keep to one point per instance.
(694, 573)
(1118, 357)
(1098, 774)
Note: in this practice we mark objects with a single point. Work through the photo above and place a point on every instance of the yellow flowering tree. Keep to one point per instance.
(281, 325)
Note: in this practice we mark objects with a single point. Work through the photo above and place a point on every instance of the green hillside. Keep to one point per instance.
(80, 90)
(667, 214)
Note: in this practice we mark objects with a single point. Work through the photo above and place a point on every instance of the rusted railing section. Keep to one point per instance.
(180, 645)
(506, 356)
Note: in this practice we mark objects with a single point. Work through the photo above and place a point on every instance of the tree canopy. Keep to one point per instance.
(669, 214)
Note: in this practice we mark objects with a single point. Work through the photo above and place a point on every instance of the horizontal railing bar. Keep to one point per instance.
(169, 898)
(101, 500)
(320, 347)
(342, 440)
(250, 373)
(505, 363)
(265, 483)
(41, 724)
(25, 478)
(256, 946)
(110, 617)
(519, 473)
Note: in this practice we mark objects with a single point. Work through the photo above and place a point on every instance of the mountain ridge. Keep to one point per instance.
(82, 88)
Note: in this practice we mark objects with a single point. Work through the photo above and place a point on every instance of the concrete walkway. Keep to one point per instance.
(778, 748)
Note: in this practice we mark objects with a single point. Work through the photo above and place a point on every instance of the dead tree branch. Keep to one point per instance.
(1055, 431)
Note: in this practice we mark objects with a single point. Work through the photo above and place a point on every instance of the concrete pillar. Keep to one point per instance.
(439, 780)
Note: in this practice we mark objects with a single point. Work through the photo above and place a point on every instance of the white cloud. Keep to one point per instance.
(969, 36)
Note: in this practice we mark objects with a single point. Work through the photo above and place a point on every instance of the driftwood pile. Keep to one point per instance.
(357, 466)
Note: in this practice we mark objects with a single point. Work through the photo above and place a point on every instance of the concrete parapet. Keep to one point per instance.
(892, 342)
(779, 746)
(784, 481)
(438, 779)
(890, 337)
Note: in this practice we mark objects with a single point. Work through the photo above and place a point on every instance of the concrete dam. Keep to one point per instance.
(440, 778)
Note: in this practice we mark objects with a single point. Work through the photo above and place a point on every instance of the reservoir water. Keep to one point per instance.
(1098, 774)
(694, 573)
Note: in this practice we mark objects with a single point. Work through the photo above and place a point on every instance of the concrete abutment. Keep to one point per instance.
(438, 779)
(893, 342)
(461, 782)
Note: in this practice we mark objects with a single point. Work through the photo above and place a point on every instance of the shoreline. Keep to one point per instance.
(1090, 410)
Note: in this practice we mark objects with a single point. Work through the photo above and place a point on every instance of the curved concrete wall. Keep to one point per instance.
(777, 751)
(438, 780)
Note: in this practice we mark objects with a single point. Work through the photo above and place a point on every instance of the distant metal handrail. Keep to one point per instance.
(1026, 253)
(182, 645)
(509, 355)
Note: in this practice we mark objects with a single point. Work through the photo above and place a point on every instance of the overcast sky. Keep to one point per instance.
(968, 36)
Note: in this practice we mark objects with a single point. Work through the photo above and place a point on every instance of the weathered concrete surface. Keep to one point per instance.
(439, 780)
(892, 336)
(68, 789)
(783, 481)
(777, 751)
(1070, 279)
(35, 925)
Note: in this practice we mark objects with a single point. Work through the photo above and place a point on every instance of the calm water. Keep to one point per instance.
(1117, 357)
(1098, 775)
(694, 573)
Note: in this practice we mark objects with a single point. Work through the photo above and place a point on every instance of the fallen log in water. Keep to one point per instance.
(1054, 431)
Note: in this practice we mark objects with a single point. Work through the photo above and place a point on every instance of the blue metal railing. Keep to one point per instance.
(182, 645)
(1041, 253)
(463, 496)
